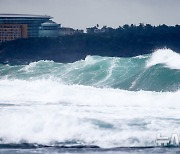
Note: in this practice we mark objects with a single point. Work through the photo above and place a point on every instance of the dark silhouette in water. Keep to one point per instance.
(126, 41)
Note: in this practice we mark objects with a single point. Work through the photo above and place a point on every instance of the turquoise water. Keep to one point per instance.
(99, 102)
(112, 72)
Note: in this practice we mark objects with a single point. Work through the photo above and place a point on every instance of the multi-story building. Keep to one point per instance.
(12, 31)
(13, 26)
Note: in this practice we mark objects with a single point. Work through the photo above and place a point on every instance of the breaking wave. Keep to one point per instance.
(100, 101)
(159, 71)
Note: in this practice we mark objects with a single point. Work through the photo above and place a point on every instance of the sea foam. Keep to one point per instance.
(102, 101)
(167, 57)
(51, 113)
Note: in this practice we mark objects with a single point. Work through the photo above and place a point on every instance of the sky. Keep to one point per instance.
(80, 14)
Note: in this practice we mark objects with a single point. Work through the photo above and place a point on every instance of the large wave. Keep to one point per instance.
(159, 71)
(97, 101)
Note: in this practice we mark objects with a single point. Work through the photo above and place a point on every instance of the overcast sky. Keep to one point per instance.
(88, 13)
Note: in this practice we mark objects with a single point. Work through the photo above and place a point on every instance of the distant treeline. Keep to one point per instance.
(126, 41)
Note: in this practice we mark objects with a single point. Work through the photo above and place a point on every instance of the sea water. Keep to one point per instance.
(95, 105)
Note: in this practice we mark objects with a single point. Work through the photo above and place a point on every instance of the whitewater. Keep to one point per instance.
(105, 102)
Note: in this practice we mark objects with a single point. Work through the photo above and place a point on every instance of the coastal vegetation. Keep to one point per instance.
(125, 41)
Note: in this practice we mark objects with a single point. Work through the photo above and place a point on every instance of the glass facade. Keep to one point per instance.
(49, 29)
(33, 22)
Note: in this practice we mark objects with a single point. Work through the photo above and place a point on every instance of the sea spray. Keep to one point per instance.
(159, 71)
(101, 101)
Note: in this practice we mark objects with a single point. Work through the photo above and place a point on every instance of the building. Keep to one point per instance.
(49, 29)
(12, 31)
(69, 31)
(13, 26)
(97, 30)
(66, 31)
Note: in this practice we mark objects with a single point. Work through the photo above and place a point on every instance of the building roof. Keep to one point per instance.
(67, 28)
(24, 16)
(49, 23)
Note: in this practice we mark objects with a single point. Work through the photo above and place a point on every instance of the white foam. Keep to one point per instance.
(47, 111)
(90, 60)
(167, 57)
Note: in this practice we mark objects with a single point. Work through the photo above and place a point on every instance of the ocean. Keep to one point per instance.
(95, 105)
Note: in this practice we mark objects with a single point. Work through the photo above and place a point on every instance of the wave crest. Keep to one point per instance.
(136, 73)
(167, 57)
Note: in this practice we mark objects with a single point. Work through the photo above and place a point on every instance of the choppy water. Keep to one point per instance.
(104, 102)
